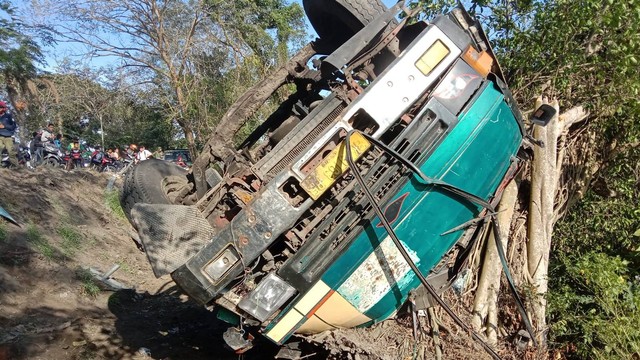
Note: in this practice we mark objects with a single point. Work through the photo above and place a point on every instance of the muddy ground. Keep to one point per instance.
(51, 308)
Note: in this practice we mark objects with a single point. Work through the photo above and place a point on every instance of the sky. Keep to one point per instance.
(59, 51)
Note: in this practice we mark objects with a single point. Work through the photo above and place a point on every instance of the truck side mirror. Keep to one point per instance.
(543, 115)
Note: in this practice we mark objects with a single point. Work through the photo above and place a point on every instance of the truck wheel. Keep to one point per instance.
(336, 21)
(150, 183)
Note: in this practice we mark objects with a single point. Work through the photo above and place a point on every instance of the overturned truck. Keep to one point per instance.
(365, 180)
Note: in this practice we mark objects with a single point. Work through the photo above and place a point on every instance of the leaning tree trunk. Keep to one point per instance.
(541, 208)
(544, 186)
(485, 317)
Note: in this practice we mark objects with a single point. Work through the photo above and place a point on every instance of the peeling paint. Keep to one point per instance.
(374, 278)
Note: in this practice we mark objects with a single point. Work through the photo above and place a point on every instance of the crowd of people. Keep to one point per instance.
(46, 147)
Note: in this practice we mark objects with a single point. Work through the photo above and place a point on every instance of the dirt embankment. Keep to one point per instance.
(51, 307)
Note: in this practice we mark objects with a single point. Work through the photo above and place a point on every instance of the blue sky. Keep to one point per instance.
(58, 52)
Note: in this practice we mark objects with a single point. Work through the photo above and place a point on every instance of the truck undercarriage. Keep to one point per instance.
(284, 210)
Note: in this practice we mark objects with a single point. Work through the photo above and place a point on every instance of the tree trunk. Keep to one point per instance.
(185, 124)
(545, 177)
(542, 214)
(484, 307)
(540, 227)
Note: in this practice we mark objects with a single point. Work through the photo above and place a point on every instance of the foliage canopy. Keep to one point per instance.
(584, 53)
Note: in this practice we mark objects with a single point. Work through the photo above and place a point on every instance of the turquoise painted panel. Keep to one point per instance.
(475, 157)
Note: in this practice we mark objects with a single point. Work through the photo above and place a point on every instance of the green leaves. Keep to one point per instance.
(596, 306)
(18, 51)
(584, 53)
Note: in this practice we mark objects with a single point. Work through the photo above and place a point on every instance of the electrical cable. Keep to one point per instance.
(454, 190)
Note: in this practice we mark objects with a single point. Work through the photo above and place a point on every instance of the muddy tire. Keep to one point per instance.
(147, 183)
(336, 21)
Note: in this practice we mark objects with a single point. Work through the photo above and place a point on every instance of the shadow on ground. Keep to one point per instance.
(166, 327)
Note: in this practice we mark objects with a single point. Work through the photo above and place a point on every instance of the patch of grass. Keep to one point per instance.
(57, 206)
(71, 240)
(87, 354)
(9, 206)
(89, 287)
(3, 231)
(35, 238)
(124, 266)
(112, 201)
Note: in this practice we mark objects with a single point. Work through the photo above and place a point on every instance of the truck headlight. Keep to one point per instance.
(267, 297)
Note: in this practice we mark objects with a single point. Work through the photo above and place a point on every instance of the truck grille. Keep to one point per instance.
(329, 226)
(302, 135)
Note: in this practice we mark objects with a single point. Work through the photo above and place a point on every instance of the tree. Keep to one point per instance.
(585, 55)
(19, 54)
(159, 42)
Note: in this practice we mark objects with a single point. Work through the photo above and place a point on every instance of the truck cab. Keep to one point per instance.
(278, 230)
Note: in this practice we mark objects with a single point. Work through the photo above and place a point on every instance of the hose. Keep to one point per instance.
(454, 190)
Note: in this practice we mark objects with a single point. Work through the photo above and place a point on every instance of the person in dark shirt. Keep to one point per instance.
(7, 130)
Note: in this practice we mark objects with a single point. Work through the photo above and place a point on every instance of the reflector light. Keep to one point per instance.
(432, 57)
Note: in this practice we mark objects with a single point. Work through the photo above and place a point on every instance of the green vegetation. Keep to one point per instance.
(112, 201)
(124, 266)
(40, 243)
(3, 231)
(71, 240)
(88, 286)
(594, 302)
(584, 53)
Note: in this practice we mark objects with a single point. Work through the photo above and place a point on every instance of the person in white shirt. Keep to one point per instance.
(47, 134)
(144, 154)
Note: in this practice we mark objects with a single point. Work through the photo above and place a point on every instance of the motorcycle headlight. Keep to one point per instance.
(271, 293)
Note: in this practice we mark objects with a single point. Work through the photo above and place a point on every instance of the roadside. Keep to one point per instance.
(51, 307)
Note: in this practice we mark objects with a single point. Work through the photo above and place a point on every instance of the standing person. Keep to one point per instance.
(144, 154)
(32, 149)
(48, 135)
(58, 141)
(132, 153)
(42, 137)
(36, 149)
(7, 130)
(159, 154)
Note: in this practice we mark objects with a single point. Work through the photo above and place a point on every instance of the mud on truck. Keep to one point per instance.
(366, 184)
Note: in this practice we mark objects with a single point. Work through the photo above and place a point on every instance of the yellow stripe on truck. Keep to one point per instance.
(320, 309)
(304, 306)
(284, 326)
(336, 312)
(312, 297)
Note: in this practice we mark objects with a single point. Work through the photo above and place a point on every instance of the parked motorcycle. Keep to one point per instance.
(52, 156)
(126, 162)
(24, 157)
(4, 162)
(101, 162)
(73, 159)
(110, 165)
